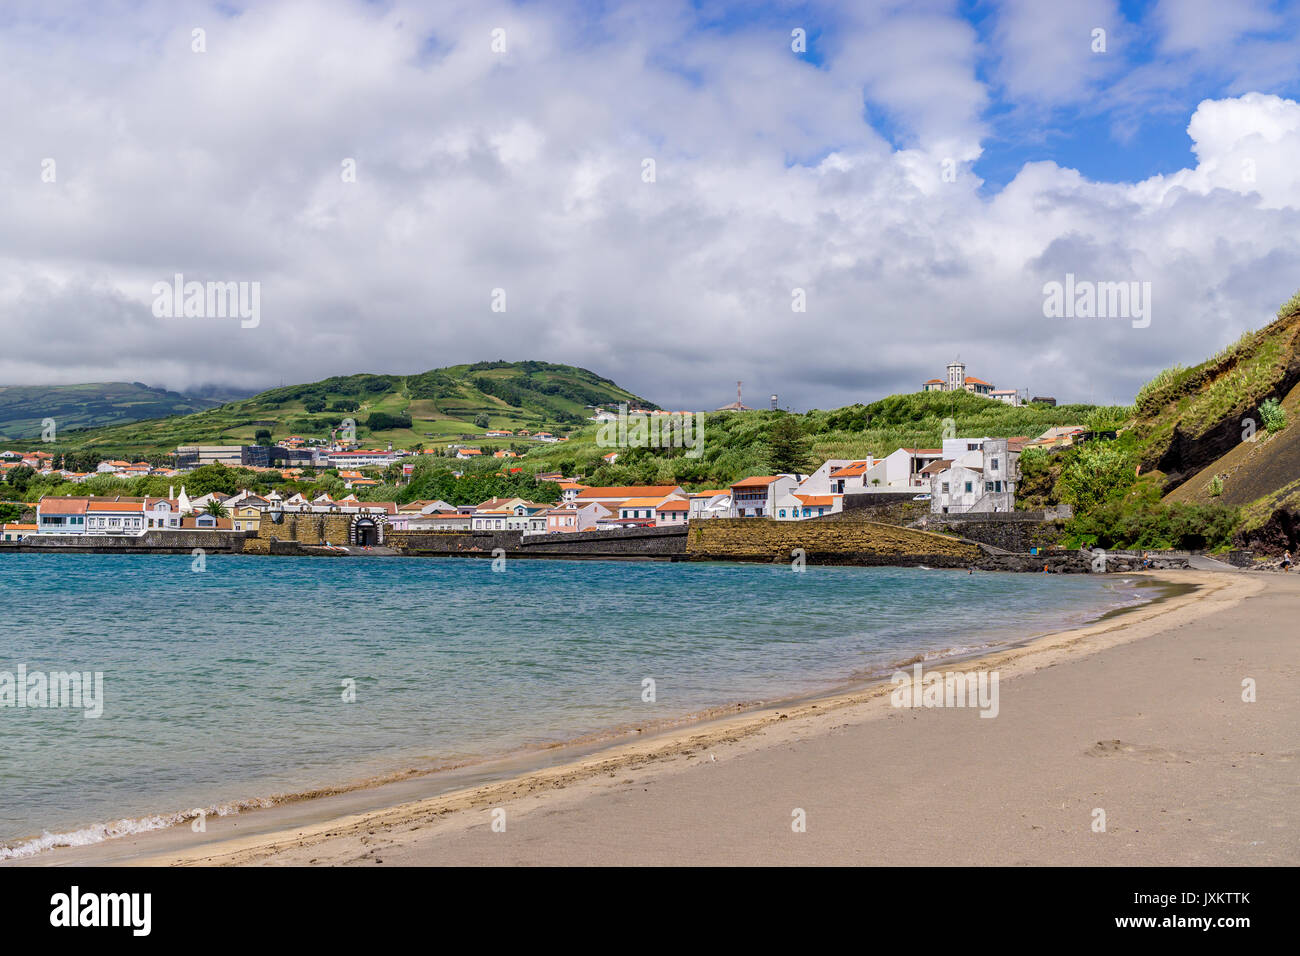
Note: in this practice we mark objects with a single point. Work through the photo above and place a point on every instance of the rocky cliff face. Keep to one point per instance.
(1194, 422)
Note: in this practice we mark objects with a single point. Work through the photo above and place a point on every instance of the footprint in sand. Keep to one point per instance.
(1118, 748)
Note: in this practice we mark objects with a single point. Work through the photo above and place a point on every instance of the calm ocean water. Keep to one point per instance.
(227, 684)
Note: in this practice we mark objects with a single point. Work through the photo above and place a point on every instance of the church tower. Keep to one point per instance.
(956, 375)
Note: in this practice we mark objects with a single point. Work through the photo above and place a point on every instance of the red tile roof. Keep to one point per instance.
(62, 506)
(627, 491)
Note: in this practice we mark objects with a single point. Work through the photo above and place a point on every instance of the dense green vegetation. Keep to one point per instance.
(1117, 503)
(23, 408)
(736, 445)
(434, 407)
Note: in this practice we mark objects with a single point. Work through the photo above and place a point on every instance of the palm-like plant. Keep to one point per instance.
(216, 509)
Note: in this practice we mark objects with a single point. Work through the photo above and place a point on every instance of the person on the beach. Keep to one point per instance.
(1286, 560)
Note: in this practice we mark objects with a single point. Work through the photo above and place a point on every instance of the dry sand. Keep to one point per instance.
(1140, 716)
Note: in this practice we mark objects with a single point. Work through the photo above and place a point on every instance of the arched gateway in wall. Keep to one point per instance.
(367, 529)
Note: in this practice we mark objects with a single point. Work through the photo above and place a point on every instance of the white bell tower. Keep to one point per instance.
(956, 375)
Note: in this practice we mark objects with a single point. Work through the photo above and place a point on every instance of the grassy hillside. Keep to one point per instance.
(24, 407)
(1199, 465)
(737, 444)
(462, 401)
(1189, 417)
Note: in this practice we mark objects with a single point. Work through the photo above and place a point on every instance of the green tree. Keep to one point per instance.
(481, 420)
(216, 509)
(20, 478)
(787, 446)
(1099, 471)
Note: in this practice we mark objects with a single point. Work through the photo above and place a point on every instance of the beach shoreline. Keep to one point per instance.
(346, 837)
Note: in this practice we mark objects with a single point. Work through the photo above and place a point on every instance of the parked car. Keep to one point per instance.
(924, 497)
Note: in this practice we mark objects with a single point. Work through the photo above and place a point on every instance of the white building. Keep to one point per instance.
(797, 506)
(710, 504)
(981, 477)
(819, 482)
(757, 497)
(902, 468)
(362, 459)
(959, 381)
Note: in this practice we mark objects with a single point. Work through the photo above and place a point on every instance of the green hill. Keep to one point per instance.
(23, 408)
(1198, 466)
(462, 401)
(1187, 418)
(736, 445)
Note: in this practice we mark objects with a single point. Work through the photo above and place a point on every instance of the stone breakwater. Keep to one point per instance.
(840, 542)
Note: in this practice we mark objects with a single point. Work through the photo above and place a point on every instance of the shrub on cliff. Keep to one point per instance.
(1273, 415)
(1140, 524)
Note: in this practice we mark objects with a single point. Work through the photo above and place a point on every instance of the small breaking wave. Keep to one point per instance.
(99, 832)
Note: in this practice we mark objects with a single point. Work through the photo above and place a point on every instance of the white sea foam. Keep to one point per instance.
(99, 832)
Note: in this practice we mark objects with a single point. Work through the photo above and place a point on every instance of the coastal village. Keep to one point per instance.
(965, 475)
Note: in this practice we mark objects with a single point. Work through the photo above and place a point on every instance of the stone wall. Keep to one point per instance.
(452, 542)
(879, 506)
(629, 542)
(165, 542)
(305, 529)
(1009, 534)
(842, 541)
(648, 542)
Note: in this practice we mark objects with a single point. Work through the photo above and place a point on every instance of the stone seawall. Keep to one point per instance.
(879, 506)
(164, 542)
(663, 543)
(452, 542)
(1009, 534)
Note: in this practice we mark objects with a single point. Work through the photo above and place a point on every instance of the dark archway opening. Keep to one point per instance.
(367, 533)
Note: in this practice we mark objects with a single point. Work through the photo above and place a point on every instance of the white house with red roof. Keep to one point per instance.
(797, 506)
(756, 497)
(959, 381)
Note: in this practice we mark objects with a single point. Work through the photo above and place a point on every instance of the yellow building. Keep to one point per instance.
(245, 518)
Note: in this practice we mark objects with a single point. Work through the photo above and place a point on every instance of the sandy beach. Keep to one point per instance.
(1139, 716)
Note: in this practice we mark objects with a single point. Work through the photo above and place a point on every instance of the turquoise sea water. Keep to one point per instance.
(227, 685)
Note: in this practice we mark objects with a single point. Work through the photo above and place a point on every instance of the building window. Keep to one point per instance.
(968, 487)
(994, 465)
